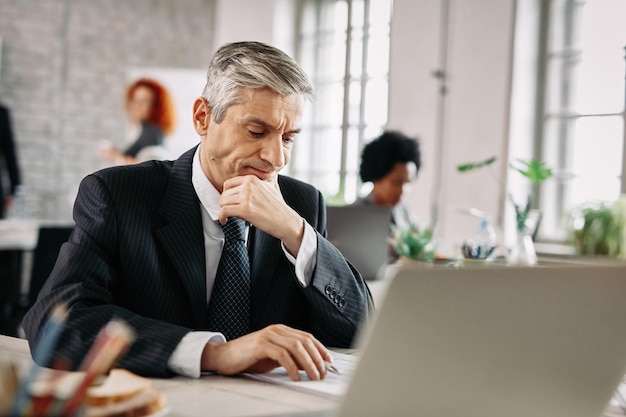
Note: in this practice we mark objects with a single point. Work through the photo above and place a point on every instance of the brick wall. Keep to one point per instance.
(63, 74)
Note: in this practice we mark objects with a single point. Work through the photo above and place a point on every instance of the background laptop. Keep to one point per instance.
(361, 234)
(493, 342)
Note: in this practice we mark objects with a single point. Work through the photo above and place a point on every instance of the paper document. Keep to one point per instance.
(617, 406)
(333, 386)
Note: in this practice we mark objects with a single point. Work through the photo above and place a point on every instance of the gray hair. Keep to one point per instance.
(253, 65)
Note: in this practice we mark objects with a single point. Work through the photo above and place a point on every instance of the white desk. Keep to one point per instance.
(18, 234)
(210, 395)
(16, 237)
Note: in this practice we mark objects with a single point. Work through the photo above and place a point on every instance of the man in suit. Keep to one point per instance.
(148, 241)
(9, 169)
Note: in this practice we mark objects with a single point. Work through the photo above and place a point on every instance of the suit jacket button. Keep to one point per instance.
(327, 289)
(333, 294)
(342, 302)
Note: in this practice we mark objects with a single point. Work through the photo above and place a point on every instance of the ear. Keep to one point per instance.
(201, 116)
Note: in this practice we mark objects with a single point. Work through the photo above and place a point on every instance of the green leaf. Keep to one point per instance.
(535, 170)
(475, 165)
(414, 244)
(599, 228)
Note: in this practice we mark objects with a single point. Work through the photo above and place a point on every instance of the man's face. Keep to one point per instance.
(388, 190)
(254, 137)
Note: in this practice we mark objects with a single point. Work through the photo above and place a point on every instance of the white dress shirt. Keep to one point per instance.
(185, 360)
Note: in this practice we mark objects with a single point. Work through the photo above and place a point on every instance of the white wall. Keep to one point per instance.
(414, 91)
(475, 109)
(243, 20)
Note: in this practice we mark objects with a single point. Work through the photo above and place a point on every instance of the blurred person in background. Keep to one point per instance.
(151, 117)
(389, 162)
(9, 170)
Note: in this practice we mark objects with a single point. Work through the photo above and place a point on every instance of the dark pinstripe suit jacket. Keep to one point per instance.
(137, 252)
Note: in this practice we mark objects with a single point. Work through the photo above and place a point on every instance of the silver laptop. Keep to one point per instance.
(493, 342)
(361, 234)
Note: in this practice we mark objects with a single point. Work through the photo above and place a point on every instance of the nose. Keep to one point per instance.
(273, 151)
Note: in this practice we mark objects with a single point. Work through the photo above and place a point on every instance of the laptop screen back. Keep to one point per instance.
(487, 342)
(361, 234)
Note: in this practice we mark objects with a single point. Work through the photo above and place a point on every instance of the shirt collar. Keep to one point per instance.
(207, 193)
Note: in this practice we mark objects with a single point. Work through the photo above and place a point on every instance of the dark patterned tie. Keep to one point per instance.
(229, 307)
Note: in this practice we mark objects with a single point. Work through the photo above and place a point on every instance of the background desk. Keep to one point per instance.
(16, 237)
(378, 287)
(22, 273)
(18, 234)
(212, 395)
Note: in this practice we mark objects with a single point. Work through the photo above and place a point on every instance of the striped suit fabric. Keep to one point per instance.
(137, 253)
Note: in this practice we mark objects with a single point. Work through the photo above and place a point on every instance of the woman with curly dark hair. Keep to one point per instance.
(390, 161)
(150, 115)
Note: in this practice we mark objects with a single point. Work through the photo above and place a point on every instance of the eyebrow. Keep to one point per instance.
(256, 120)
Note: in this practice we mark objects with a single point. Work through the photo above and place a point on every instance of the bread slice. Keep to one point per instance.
(123, 394)
(120, 394)
(146, 402)
(119, 386)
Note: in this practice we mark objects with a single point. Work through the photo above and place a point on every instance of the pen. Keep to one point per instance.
(111, 342)
(331, 368)
(41, 355)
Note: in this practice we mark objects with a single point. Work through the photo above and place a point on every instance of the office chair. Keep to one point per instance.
(44, 257)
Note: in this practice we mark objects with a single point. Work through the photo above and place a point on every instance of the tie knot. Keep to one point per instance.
(234, 229)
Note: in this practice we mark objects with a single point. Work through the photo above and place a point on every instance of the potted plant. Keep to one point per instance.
(536, 171)
(599, 228)
(414, 244)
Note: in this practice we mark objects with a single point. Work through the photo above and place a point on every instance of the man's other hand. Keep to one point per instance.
(271, 347)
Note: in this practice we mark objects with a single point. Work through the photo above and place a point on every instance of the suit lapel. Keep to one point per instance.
(182, 236)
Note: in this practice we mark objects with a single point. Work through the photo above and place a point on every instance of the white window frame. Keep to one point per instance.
(339, 183)
(552, 195)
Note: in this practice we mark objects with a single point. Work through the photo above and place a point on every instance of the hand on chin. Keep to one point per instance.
(263, 175)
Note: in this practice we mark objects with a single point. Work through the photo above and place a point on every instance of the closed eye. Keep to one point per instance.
(256, 134)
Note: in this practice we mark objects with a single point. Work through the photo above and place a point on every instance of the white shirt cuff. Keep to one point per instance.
(305, 261)
(185, 360)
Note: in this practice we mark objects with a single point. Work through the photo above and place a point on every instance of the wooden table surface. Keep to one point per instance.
(212, 395)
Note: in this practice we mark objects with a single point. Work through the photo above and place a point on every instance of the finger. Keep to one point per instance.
(319, 355)
(232, 182)
(310, 365)
(232, 200)
(326, 355)
(232, 204)
(316, 353)
(303, 350)
(233, 210)
(285, 359)
(319, 346)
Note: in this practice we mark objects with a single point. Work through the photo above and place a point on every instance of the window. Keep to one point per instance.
(343, 45)
(582, 108)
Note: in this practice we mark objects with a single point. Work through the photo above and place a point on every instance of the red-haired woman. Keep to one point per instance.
(150, 116)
